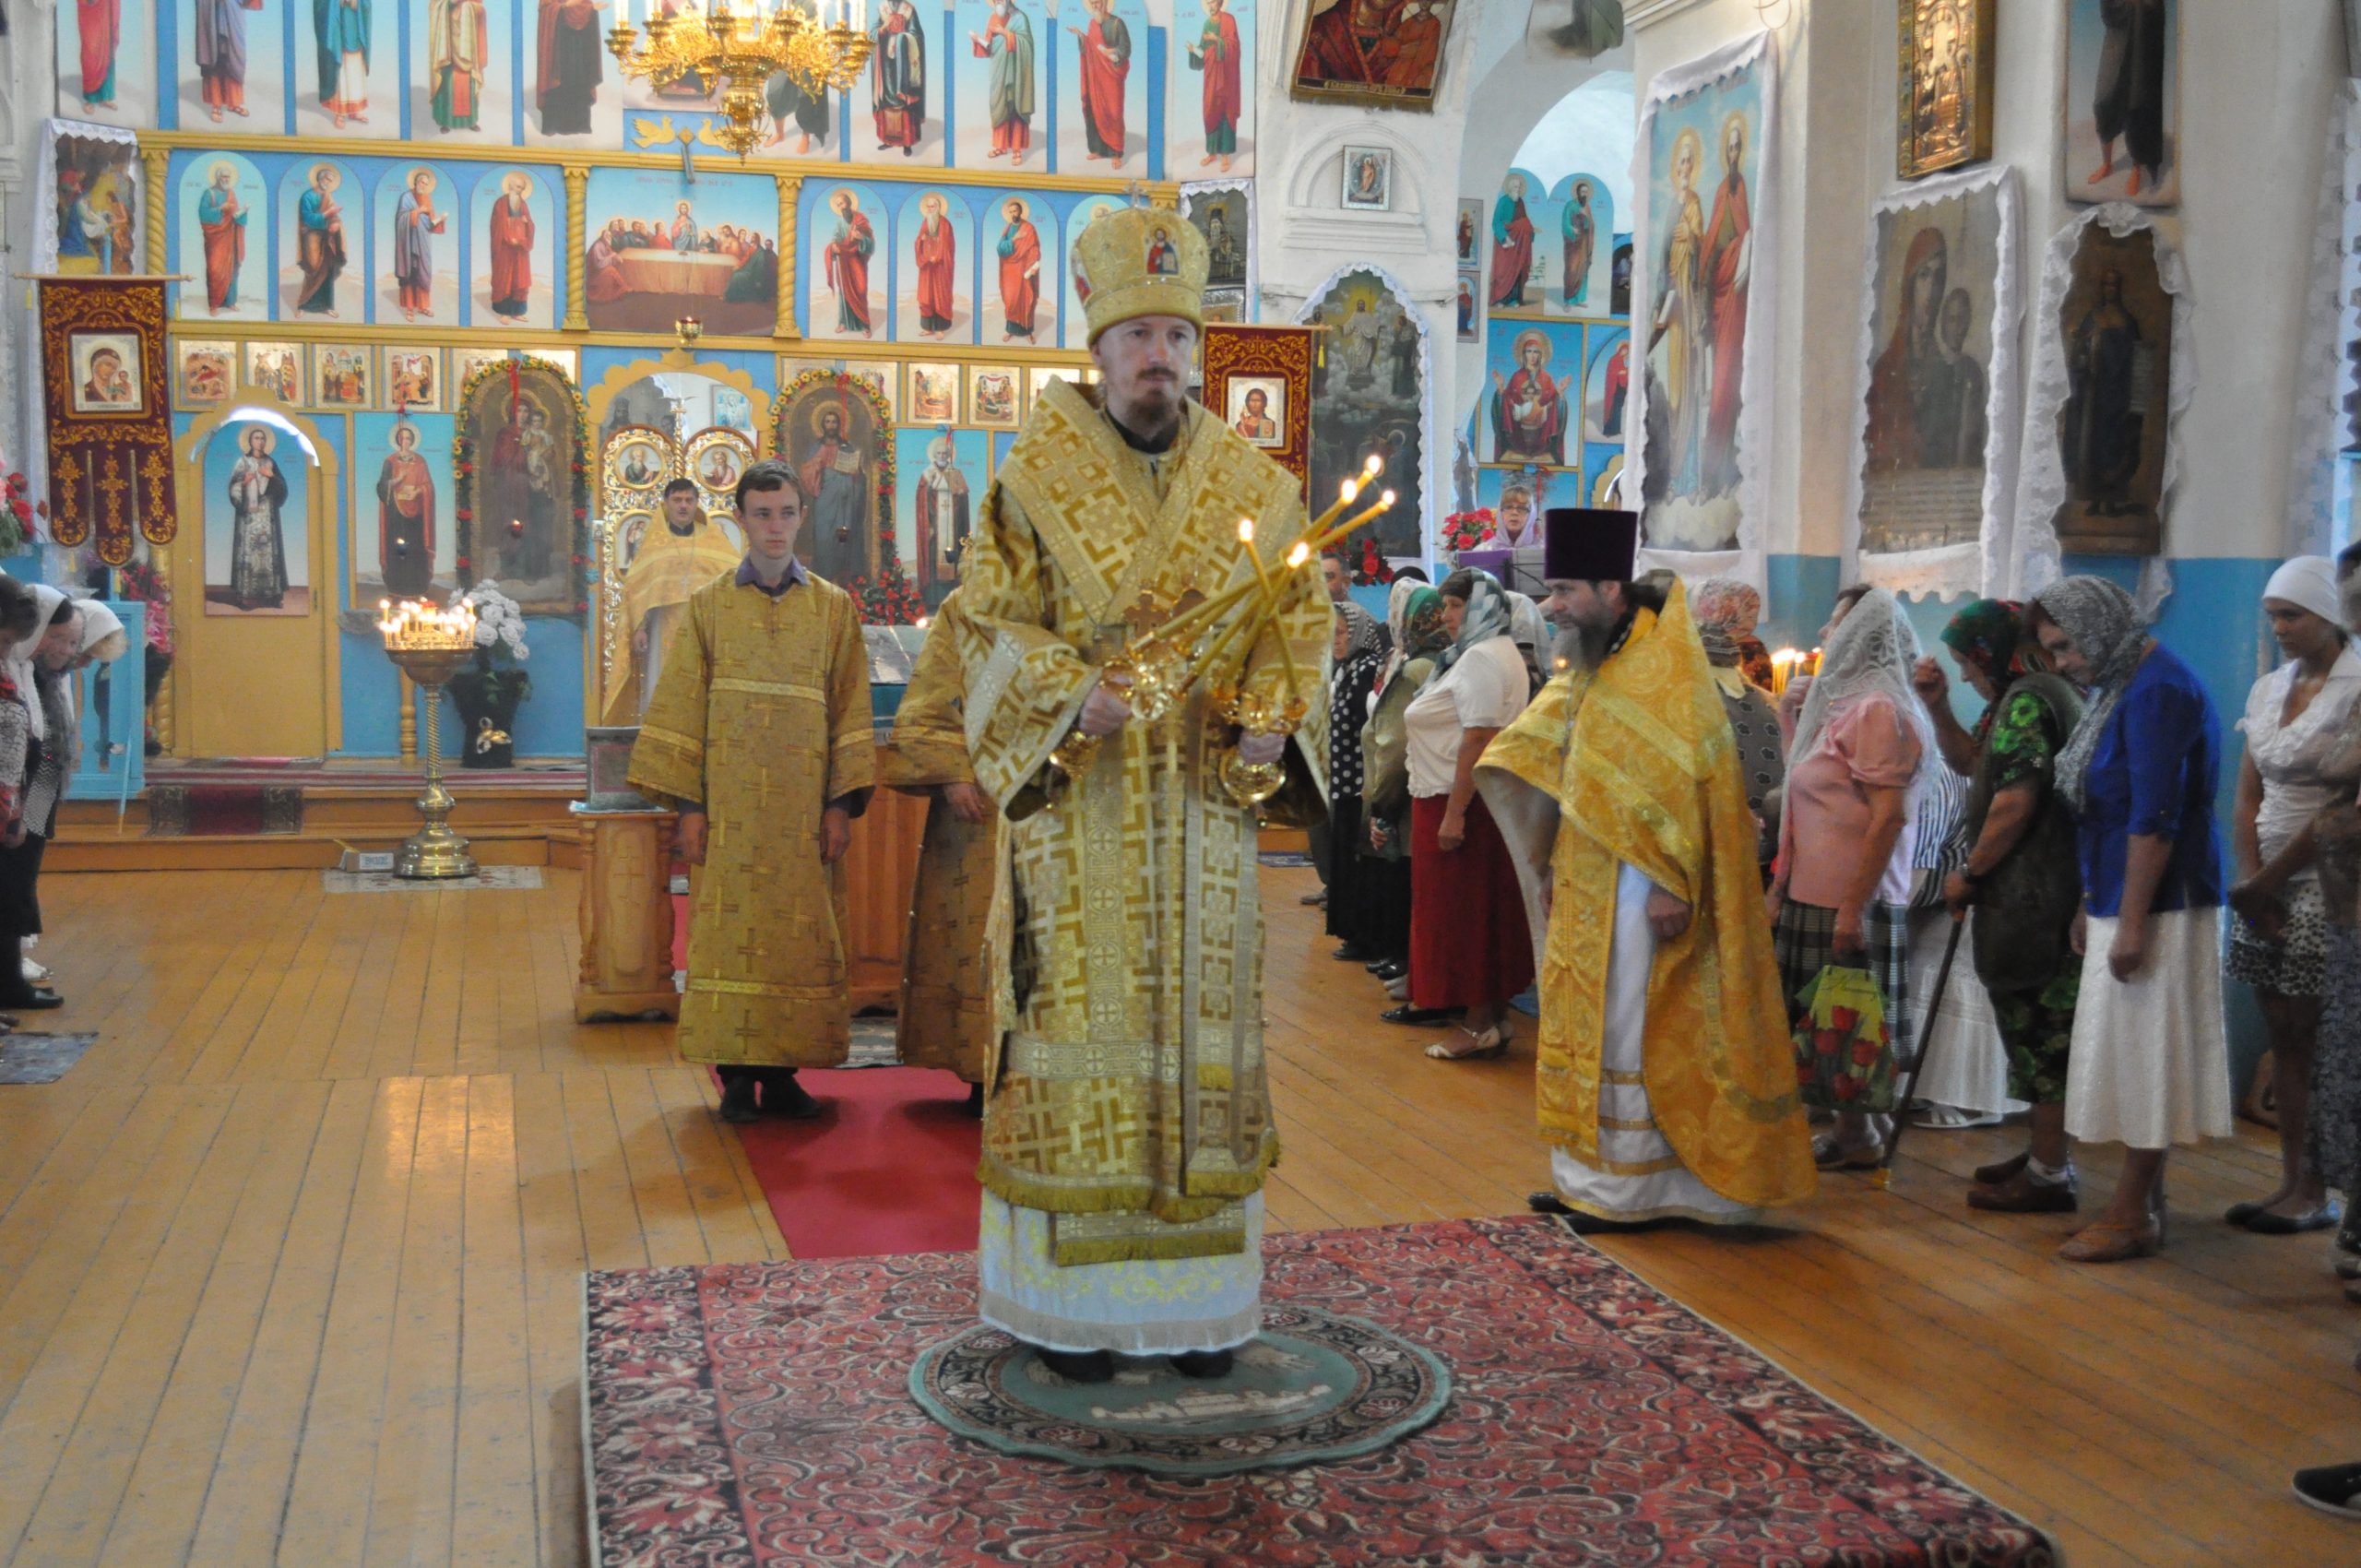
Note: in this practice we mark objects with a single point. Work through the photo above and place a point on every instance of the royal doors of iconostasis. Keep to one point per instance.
(253, 568)
(654, 421)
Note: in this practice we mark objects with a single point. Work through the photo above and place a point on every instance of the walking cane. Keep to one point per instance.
(1884, 1176)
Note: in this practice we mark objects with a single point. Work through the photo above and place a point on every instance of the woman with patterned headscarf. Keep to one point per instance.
(2149, 1066)
(2022, 878)
(1840, 890)
(1733, 608)
(2295, 720)
(1352, 670)
(1469, 950)
(1420, 638)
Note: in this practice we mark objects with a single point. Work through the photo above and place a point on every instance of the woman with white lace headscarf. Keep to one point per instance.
(2149, 1066)
(1840, 891)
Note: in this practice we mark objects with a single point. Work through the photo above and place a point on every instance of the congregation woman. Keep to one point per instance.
(1351, 875)
(1840, 890)
(1754, 720)
(1414, 616)
(2296, 718)
(2148, 1063)
(22, 613)
(1469, 950)
(2295, 721)
(35, 665)
(2333, 1132)
(2020, 886)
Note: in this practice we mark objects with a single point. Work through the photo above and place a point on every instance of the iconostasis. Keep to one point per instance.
(371, 208)
(1545, 286)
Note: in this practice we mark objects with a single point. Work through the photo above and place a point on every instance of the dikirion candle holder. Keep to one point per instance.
(429, 644)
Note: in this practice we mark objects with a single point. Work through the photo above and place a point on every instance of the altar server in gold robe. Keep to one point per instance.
(1127, 1124)
(946, 1005)
(760, 735)
(677, 557)
(1666, 1080)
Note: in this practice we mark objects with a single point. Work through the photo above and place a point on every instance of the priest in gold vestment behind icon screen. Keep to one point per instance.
(681, 553)
(1127, 1124)
(945, 1017)
(760, 734)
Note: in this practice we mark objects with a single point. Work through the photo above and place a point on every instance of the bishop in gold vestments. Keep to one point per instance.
(678, 554)
(1128, 1124)
(946, 1004)
(762, 720)
(1665, 1075)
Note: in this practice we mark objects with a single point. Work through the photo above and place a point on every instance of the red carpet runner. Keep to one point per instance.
(889, 1167)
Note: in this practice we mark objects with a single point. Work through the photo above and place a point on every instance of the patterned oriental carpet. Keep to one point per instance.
(760, 1414)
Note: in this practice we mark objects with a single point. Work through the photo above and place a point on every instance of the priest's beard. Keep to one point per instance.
(1578, 647)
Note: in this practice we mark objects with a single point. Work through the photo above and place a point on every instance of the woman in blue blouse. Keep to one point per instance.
(2149, 1066)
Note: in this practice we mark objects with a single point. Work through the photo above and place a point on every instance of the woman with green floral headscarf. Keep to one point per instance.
(1419, 638)
(2022, 877)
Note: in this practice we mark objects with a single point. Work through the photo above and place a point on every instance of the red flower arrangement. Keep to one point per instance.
(1371, 570)
(1467, 531)
(18, 514)
(140, 583)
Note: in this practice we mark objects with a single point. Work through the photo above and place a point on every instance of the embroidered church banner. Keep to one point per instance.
(109, 417)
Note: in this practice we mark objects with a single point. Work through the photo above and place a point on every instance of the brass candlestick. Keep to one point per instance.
(430, 645)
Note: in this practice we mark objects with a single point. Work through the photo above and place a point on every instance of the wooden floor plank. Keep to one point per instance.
(247, 1484)
(493, 1480)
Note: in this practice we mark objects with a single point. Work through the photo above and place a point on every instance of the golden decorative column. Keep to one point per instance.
(409, 714)
(791, 189)
(577, 193)
(158, 162)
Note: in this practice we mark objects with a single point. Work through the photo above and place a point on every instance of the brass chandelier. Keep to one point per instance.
(739, 52)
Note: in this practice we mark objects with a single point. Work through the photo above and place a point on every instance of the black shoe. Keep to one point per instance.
(34, 999)
(1079, 1366)
(1546, 1202)
(1376, 965)
(1348, 954)
(785, 1099)
(975, 1101)
(738, 1096)
(1406, 1014)
(2331, 1488)
(1203, 1363)
(1391, 970)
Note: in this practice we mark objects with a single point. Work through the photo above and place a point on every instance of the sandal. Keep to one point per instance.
(1493, 1042)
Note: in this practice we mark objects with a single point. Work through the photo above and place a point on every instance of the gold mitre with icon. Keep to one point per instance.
(1136, 261)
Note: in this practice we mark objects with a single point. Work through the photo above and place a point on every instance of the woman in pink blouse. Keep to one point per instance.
(1840, 892)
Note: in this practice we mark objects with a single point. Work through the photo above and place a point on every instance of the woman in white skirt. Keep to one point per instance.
(2150, 1062)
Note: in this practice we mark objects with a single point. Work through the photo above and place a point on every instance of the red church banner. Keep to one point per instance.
(110, 420)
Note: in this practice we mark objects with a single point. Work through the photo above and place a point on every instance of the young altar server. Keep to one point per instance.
(946, 1007)
(759, 734)
(1666, 1078)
